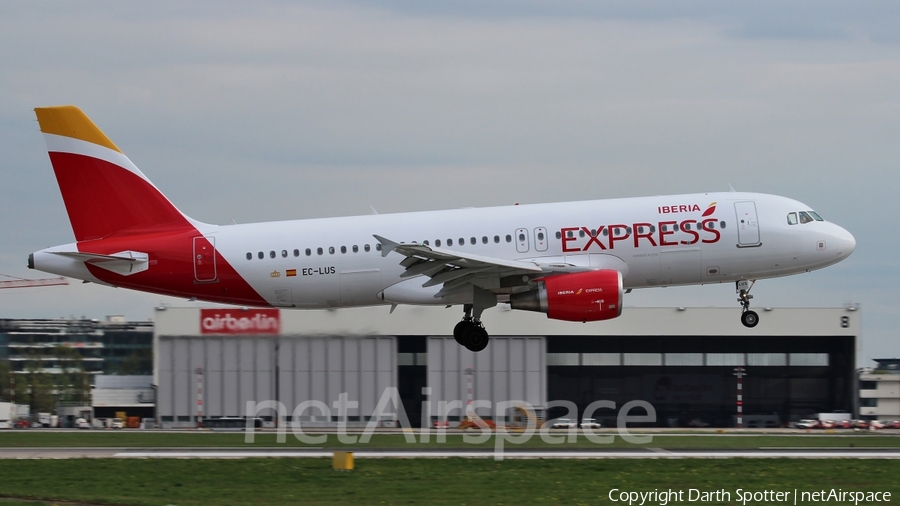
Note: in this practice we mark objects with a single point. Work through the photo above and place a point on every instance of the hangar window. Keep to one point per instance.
(601, 359)
(249, 256)
(809, 359)
(271, 254)
(868, 385)
(296, 252)
(562, 359)
(720, 359)
(496, 239)
(319, 251)
(642, 359)
(508, 238)
(366, 248)
(284, 253)
(308, 252)
(767, 359)
(869, 402)
(792, 218)
(805, 218)
(683, 359)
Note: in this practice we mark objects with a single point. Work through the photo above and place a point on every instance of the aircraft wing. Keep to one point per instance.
(455, 269)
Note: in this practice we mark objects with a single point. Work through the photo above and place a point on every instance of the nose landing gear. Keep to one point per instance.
(748, 318)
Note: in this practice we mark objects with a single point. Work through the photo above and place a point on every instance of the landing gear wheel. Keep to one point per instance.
(459, 330)
(749, 319)
(475, 338)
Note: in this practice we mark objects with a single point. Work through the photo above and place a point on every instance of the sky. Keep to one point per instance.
(271, 110)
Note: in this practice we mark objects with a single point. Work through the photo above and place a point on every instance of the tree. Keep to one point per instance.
(5, 380)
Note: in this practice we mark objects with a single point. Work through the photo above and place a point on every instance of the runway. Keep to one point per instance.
(439, 453)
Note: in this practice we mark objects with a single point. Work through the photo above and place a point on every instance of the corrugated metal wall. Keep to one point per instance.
(241, 369)
(510, 369)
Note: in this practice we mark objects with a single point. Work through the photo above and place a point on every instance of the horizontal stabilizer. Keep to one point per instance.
(125, 263)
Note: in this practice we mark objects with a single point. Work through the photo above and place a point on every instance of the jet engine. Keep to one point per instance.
(579, 297)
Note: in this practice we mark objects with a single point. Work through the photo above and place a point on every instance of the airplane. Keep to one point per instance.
(573, 261)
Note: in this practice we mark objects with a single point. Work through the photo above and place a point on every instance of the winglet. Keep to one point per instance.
(386, 245)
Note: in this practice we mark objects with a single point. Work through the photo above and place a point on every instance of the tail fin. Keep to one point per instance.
(104, 193)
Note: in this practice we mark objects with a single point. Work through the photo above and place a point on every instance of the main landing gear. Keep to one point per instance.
(470, 331)
(748, 318)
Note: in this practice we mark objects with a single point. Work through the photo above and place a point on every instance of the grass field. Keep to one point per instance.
(438, 481)
(145, 439)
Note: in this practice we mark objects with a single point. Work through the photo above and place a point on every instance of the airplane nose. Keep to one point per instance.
(845, 241)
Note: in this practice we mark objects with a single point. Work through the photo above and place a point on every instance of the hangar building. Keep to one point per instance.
(681, 360)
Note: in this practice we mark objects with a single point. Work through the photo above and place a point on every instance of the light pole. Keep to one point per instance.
(739, 372)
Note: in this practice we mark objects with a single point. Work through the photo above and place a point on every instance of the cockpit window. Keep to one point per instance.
(805, 218)
(815, 216)
(792, 218)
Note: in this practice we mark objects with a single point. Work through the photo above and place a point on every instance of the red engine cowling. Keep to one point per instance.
(580, 297)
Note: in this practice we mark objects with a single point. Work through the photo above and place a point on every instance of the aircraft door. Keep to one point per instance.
(540, 239)
(522, 240)
(747, 224)
(205, 259)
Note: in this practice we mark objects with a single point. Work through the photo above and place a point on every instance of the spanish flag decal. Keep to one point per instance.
(291, 272)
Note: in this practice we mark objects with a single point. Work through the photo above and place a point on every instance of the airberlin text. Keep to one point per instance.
(663, 233)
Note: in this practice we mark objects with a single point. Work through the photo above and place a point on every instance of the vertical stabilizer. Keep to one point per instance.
(104, 193)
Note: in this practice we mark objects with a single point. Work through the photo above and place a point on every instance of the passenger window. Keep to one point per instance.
(437, 242)
(261, 255)
(521, 237)
(331, 250)
(319, 251)
(461, 242)
(805, 218)
(496, 239)
(472, 241)
(581, 233)
(271, 254)
(815, 216)
(792, 218)
(366, 247)
(508, 238)
(652, 229)
(296, 252)
(249, 256)
(722, 225)
(605, 232)
(355, 248)
(343, 249)
(284, 253)
(484, 239)
(425, 242)
(540, 236)
(558, 235)
(569, 234)
(378, 247)
(628, 229)
(308, 252)
(449, 242)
